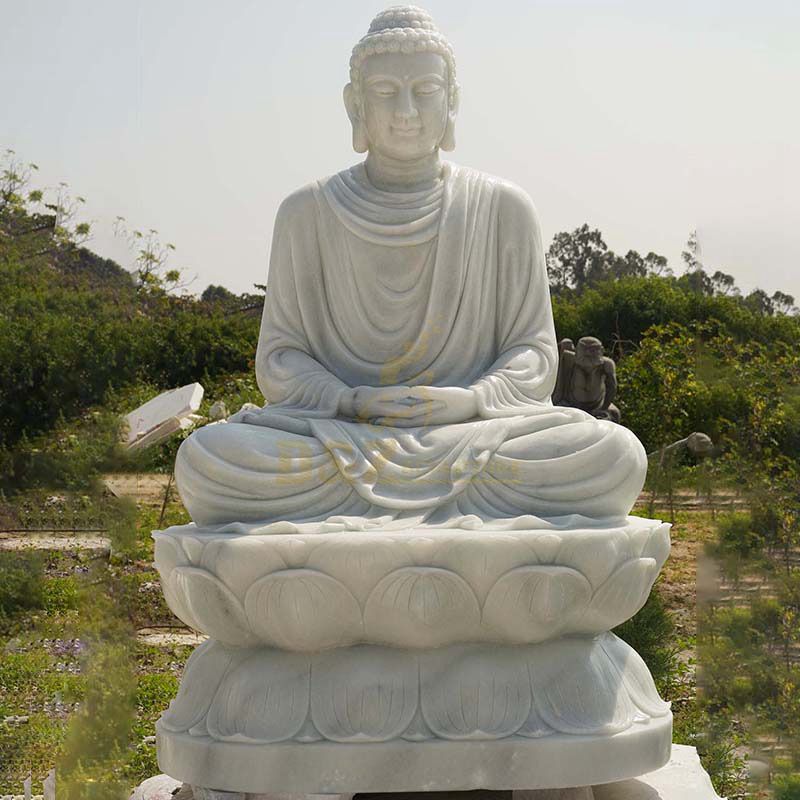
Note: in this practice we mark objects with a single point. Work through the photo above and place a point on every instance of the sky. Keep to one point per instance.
(644, 119)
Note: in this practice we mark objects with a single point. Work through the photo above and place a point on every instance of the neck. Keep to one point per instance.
(392, 175)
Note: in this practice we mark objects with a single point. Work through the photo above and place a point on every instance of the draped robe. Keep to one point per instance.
(444, 287)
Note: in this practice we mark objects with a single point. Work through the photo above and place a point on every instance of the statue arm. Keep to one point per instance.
(524, 373)
(565, 362)
(291, 379)
(611, 382)
(287, 373)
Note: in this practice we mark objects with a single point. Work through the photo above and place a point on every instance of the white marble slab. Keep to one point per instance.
(683, 778)
(162, 416)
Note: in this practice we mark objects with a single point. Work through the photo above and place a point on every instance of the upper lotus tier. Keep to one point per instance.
(408, 588)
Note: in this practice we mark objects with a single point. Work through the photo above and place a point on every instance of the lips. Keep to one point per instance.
(406, 131)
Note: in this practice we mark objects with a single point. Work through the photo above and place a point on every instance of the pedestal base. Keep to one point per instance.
(401, 766)
(412, 660)
(683, 778)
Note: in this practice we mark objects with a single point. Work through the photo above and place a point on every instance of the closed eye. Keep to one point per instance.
(426, 89)
(383, 89)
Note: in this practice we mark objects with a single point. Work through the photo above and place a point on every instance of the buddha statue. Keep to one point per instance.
(409, 561)
(407, 351)
(587, 378)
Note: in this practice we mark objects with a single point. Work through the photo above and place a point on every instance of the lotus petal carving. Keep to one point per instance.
(418, 730)
(546, 547)
(535, 727)
(364, 694)
(657, 545)
(482, 560)
(421, 607)
(308, 592)
(474, 693)
(594, 557)
(620, 597)
(193, 547)
(203, 671)
(635, 675)
(303, 609)
(240, 561)
(209, 605)
(263, 699)
(531, 604)
(576, 690)
(358, 564)
(168, 554)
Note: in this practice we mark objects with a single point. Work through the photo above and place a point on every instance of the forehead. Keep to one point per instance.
(404, 66)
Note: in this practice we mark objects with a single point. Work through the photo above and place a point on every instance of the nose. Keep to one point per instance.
(405, 109)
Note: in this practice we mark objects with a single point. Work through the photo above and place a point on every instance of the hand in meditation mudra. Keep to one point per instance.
(407, 351)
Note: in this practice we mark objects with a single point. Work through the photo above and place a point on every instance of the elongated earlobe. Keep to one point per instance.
(448, 142)
(360, 140)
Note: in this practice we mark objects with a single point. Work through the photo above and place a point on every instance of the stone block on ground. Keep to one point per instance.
(683, 778)
(162, 416)
(159, 787)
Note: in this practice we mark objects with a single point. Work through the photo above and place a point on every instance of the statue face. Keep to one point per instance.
(404, 102)
(589, 354)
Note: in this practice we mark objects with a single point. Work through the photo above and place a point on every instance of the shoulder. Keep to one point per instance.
(306, 200)
(513, 203)
(512, 200)
(299, 203)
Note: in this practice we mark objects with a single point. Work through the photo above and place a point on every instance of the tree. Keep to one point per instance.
(657, 265)
(217, 294)
(759, 302)
(581, 260)
(783, 303)
(723, 284)
(634, 265)
(151, 258)
(577, 260)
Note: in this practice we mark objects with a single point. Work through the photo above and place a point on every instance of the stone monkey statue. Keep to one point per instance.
(587, 378)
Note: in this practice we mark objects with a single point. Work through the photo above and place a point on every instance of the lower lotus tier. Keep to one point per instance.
(343, 715)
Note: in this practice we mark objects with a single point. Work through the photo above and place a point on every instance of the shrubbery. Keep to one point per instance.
(74, 326)
(20, 584)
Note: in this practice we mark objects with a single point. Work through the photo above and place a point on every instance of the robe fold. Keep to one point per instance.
(445, 287)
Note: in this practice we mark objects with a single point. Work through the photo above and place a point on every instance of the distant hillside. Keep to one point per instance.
(98, 270)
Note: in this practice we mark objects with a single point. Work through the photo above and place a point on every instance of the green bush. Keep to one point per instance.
(625, 309)
(60, 594)
(65, 343)
(737, 535)
(787, 787)
(21, 575)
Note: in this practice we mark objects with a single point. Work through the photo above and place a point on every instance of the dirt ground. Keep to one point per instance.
(145, 488)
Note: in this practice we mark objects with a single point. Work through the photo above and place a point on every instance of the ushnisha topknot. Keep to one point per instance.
(403, 29)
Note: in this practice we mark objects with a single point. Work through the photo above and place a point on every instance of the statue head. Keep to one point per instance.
(402, 98)
(589, 352)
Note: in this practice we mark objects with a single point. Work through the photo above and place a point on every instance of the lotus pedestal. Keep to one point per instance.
(412, 660)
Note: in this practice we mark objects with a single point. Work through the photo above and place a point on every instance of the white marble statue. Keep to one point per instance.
(407, 349)
(409, 560)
